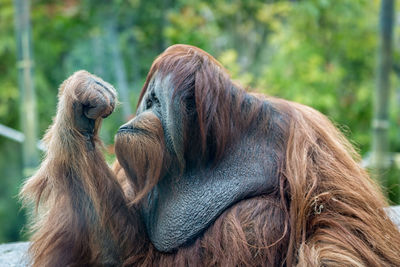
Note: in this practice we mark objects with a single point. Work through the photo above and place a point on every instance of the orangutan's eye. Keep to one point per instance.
(149, 103)
(154, 97)
(151, 100)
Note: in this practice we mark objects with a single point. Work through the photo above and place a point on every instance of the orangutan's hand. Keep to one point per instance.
(87, 99)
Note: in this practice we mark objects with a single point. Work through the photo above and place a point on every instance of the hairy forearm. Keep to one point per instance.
(78, 200)
(65, 189)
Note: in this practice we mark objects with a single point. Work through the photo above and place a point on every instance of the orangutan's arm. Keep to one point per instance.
(79, 202)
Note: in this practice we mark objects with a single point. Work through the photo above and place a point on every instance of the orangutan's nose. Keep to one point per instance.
(127, 127)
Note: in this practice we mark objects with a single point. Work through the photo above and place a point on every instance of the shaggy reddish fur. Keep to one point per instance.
(325, 212)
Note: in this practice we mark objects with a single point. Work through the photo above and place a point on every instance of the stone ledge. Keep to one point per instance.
(394, 214)
(15, 254)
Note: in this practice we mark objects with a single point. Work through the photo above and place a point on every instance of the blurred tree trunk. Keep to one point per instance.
(26, 84)
(380, 124)
(98, 52)
(162, 45)
(136, 83)
(119, 68)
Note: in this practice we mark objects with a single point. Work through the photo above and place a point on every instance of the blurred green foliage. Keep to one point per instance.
(317, 52)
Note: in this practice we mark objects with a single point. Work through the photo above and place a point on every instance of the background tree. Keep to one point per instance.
(380, 124)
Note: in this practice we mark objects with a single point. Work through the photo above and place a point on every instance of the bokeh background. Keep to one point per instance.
(322, 53)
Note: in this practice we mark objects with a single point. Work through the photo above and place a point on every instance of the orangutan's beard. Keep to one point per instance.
(140, 149)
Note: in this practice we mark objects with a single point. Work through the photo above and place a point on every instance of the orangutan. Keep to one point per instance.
(207, 174)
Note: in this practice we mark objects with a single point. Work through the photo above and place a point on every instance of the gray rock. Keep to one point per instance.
(15, 254)
(394, 214)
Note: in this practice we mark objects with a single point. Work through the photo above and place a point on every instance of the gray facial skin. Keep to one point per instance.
(181, 206)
